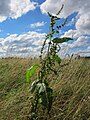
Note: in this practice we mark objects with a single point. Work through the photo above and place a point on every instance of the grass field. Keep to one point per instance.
(71, 91)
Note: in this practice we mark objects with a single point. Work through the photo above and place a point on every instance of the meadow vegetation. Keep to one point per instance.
(71, 90)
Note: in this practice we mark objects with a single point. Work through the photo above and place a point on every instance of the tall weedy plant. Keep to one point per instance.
(40, 88)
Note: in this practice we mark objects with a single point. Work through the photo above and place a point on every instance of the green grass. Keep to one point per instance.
(71, 91)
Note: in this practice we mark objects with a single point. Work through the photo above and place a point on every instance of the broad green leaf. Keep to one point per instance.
(43, 100)
(61, 40)
(41, 87)
(30, 72)
(40, 100)
(56, 58)
(50, 98)
(33, 85)
(47, 97)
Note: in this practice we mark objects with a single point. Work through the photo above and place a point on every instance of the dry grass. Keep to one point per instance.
(71, 91)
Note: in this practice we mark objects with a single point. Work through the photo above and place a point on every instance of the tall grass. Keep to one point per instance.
(71, 91)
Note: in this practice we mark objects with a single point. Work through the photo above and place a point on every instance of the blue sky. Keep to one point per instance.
(24, 24)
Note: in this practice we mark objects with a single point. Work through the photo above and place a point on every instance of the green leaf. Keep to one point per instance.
(47, 97)
(30, 72)
(58, 59)
(33, 85)
(41, 87)
(50, 98)
(40, 100)
(61, 40)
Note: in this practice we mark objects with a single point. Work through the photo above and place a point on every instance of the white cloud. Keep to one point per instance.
(15, 8)
(88, 48)
(70, 6)
(24, 45)
(80, 42)
(29, 44)
(82, 22)
(70, 33)
(76, 46)
(2, 18)
(8, 33)
(82, 7)
(38, 24)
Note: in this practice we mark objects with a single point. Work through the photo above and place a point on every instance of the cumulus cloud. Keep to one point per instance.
(70, 6)
(80, 42)
(24, 45)
(82, 22)
(80, 45)
(70, 33)
(38, 24)
(4, 9)
(15, 8)
(82, 7)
